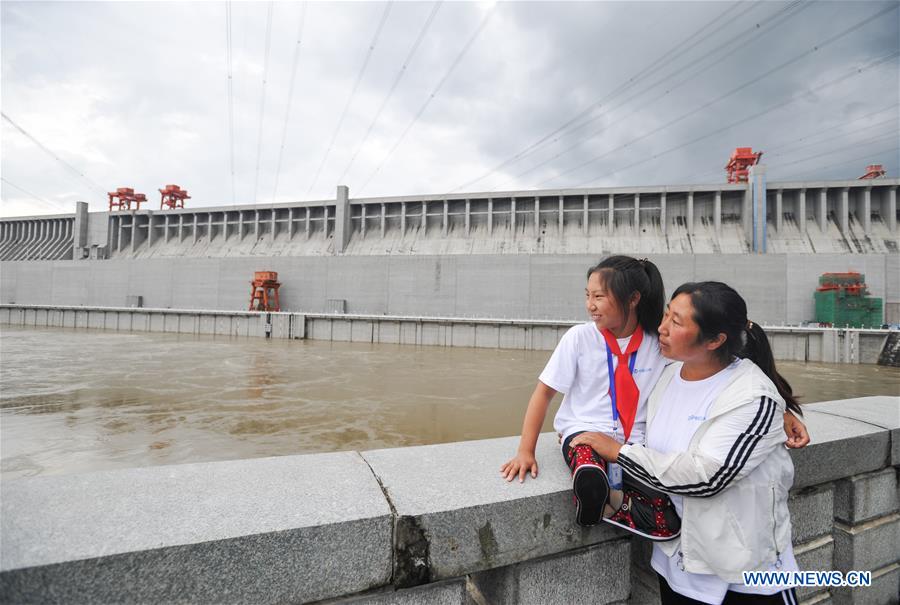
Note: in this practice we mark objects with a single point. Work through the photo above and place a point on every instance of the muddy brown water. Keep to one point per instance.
(83, 400)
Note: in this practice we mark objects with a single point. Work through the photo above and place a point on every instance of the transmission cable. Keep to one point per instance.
(889, 136)
(230, 92)
(290, 98)
(399, 76)
(262, 103)
(433, 94)
(362, 71)
(731, 92)
(869, 156)
(667, 57)
(54, 156)
(779, 105)
(52, 205)
(782, 15)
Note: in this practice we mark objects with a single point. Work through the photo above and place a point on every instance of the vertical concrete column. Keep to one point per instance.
(341, 219)
(561, 216)
(166, 235)
(402, 219)
(240, 225)
(81, 229)
(274, 226)
(307, 226)
(801, 210)
(194, 230)
(383, 219)
(490, 216)
(822, 214)
(760, 208)
(717, 213)
(512, 216)
(584, 218)
(209, 225)
(867, 211)
(662, 212)
(181, 228)
(256, 224)
(746, 213)
(363, 214)
(468, 216)
(690, 213)
(892, 209)
(424, 223)
(779, 210)
(445, 220)
(537, 215)
(150, 217)
(290, 223)
(844, 212)
(637, 211)
(610, 216)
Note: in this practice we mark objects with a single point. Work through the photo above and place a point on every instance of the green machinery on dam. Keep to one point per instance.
(519, 254)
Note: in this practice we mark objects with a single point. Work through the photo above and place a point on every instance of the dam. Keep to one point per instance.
(515, 254)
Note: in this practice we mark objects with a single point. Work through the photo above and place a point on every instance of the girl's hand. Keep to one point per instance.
(521, 465)
(797, 435)
(605, 446)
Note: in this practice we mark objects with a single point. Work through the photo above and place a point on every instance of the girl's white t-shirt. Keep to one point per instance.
(578, 368)
(685, 406)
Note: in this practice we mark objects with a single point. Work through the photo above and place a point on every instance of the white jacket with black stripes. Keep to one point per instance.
(734, 476)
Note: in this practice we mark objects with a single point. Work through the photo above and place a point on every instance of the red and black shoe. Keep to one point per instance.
(590, 484)
(646, 512)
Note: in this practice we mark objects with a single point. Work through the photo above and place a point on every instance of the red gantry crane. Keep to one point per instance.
(264, 291)
(123, 197)
(738, 167)
(873, 171)
(173, 197)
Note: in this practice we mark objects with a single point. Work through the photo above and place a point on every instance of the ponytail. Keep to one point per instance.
(622, 276)
(719, 309)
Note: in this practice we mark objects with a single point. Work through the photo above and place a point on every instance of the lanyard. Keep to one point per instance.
(612, 383)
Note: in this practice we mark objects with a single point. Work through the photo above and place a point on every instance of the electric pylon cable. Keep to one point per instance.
(290, 97)
(262, 102)
(49, 152)
(774, 151)
(869, 156)
(731, 92)
(48, 203)
(230, 92)
(890, 136)
(397, 78)
(362, 71)
(731, 44)
(667, 57)
(456, 61)
(779, 105)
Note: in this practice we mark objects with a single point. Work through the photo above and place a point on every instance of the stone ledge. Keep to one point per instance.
(881, 411)
(287, 528)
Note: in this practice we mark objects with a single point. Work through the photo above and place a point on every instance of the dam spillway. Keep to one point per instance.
(448, 254)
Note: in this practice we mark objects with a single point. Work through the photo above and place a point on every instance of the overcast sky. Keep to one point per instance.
(418, 97)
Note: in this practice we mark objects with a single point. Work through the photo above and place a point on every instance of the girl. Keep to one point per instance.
(606, 368)
(714, 444)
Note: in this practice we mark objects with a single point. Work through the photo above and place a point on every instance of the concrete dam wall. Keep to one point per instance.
(513, 254)
(428, 525)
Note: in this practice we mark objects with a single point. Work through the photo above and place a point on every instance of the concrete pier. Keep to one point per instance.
(431, 524)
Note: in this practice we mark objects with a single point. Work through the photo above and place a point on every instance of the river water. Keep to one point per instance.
(82, 400)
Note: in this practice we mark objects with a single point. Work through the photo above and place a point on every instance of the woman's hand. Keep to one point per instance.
(521, 465)
(797, 435)
(605, 446)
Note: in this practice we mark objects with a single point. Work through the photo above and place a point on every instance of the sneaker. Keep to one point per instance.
(649, 515)
(590, 484)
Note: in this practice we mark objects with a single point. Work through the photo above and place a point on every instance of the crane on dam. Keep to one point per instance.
(738, 166)
(173, 197)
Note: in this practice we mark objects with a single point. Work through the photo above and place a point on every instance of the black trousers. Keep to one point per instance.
(670, 597)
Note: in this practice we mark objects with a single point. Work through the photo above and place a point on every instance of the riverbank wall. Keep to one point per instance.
(789, 343)
(421, 525)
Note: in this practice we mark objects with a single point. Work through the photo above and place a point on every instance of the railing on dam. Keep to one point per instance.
(790, 343)
(428, 524)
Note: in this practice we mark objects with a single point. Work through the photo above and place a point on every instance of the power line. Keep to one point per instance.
(731, 43)
(850, 74)
(433, 94)
(26, 192)
(846, 162)
(262, 103)
(230, 94)
(400, 74)
(384, 16)
(667, 57)
(890, 136)
(54, 156)
(287, 111)
(731, 92)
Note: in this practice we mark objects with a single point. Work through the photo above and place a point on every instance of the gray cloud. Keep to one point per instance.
(134, 94)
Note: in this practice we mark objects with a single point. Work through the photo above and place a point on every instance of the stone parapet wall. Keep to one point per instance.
(429, 524)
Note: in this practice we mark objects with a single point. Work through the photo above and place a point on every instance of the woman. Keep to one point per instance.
(713, 444)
